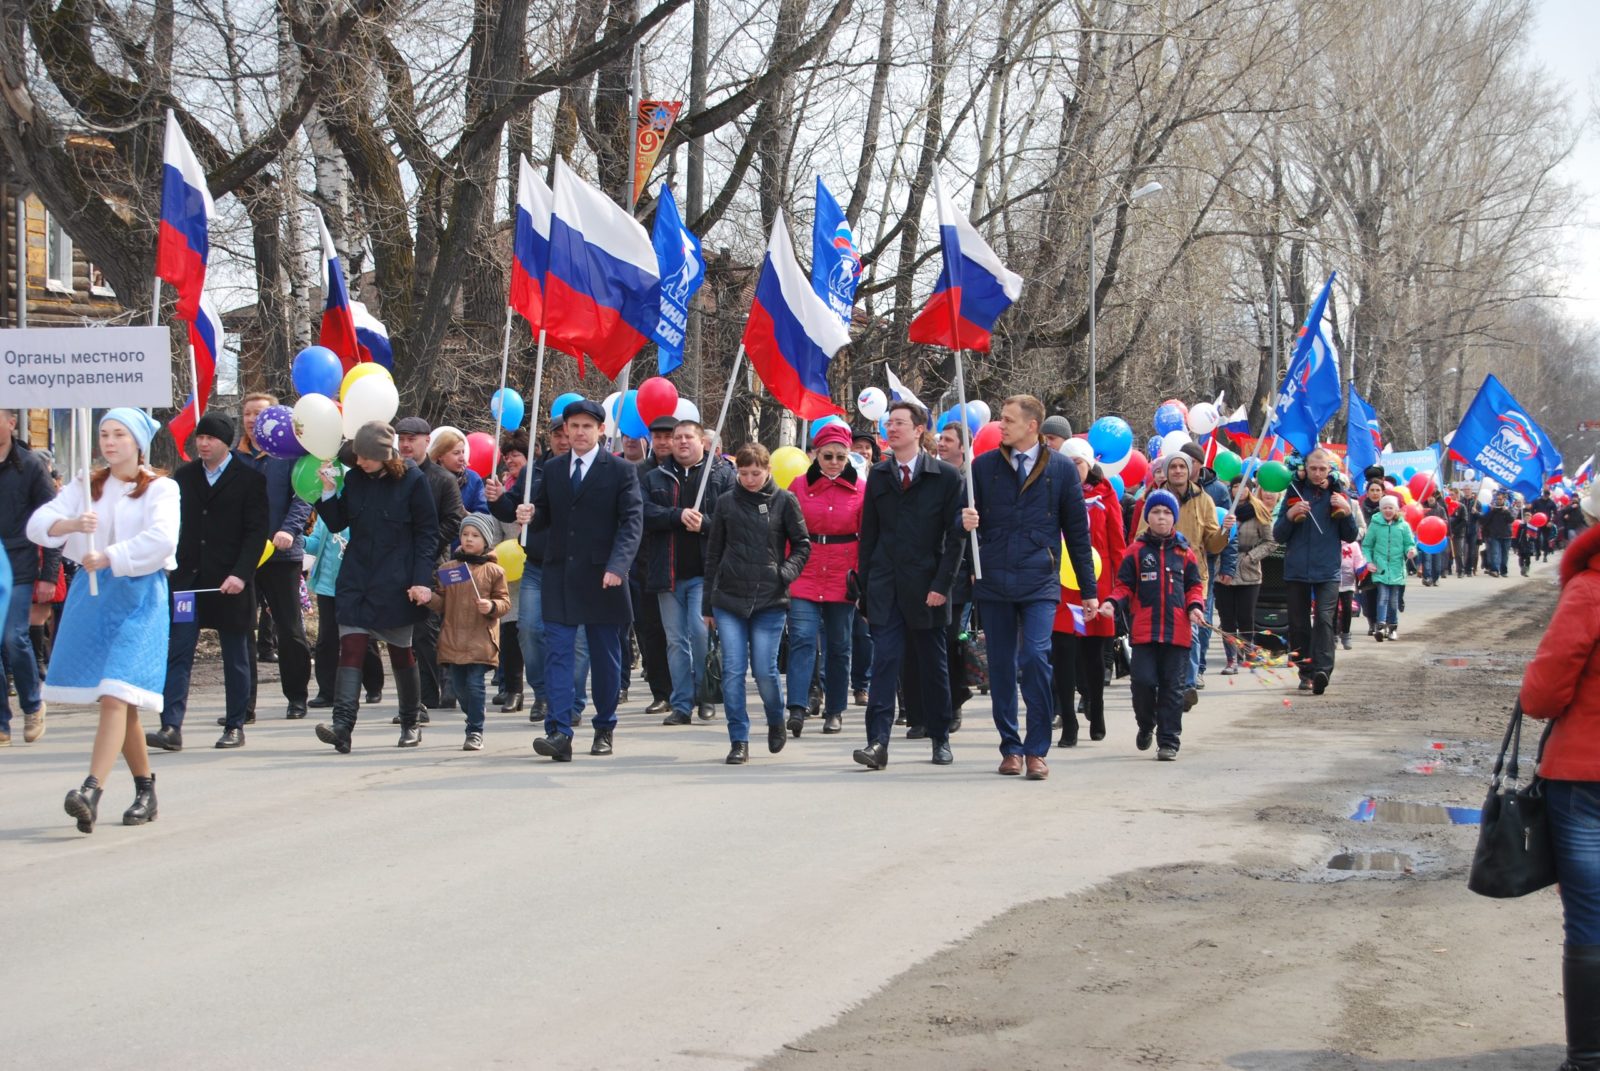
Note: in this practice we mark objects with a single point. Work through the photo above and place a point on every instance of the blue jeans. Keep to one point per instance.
(1574, 810)
(563, 662)
(1432, 565)
(530, 627)
(833, 620)
(1499, 554)
(860, 654)
(686, 639)
(750, 643)
(467, 680)
(1202, 636)
(19, 656)
(1389, 603)
(236, 673)
(1019, 641)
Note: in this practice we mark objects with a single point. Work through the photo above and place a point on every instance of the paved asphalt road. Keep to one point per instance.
(440, 909)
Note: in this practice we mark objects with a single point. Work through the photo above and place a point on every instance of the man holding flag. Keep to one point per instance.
(1316, 520)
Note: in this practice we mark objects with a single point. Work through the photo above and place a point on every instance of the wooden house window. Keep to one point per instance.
(58, 256)
(98, 286)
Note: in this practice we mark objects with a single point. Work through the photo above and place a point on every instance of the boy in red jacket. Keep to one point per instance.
(1160, 595)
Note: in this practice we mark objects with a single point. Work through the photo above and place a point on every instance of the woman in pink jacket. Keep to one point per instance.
(830, 500)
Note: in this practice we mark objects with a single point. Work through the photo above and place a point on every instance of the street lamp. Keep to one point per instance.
(1140, 194)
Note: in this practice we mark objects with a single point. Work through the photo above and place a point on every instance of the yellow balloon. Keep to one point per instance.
(788, 462)
(365, 368)
(1069, 577)
(512, 559)
(1404, 494)
(266, 552)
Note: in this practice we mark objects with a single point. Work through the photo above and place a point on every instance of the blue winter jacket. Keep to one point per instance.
(1021, 528)
(1312, 546)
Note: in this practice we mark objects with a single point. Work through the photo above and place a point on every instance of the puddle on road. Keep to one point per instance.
(1375, 862)
(1474, 660)
(1406, 812)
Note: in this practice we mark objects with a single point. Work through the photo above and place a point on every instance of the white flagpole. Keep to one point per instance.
(533, 427)
(84, 423)
(716, 437)
(499, 424)
(194, 380)
(961, 391)
(155, 301)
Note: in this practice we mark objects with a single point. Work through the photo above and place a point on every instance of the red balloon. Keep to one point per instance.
(1539, 520)
(480, 453)
(1413, 515)
(1432, 529)
(987, 439)
(657, 398)
(1137, 468)
(1184, 409)
(1516, 526)
(1421, 485)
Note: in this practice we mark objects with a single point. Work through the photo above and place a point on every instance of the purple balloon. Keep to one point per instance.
(274, 433)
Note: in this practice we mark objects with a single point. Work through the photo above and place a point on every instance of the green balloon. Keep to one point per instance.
(1274, 476)
(306, 479)
(1226, 465)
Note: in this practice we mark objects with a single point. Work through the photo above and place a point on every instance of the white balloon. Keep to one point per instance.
(1172, 441)
(686, 410)
(613, 407)
(1204, 418)
(872, 403)
(982, 409)
(369, 398)
(1112, 468)
(317, 425)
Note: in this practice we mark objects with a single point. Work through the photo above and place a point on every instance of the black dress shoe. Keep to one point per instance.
(707, 712)
(1097, 732)
(917, 732)
(374, 696)
(249, 719)
(167, 738)
(777, 736)
(318, 702)
(832, 724)
(410, 736)
(660, 706)
(296, 711)
(557, 746)
(677, 717)
(1144, 739)
(942, 755)
(622, 697)
(333, 734)
(797, 721)
(955, 722)
(231, 738)
(873, 756)
(738, 754)
(602, 742)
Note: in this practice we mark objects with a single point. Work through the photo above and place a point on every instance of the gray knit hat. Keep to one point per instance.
(374, 441)
(485, 525)
(1056, 425)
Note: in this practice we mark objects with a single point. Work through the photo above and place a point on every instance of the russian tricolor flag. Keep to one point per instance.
(183, 241)
(205, 336)
(530, 245)
(338, 330)
(1585, 473)
(974, 288)
(601, 289)
(372, 338)
(792, 334)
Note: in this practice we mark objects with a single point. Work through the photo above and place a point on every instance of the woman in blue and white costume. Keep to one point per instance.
(112, 647)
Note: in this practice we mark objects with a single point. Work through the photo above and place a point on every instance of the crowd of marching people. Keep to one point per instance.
(897, 569)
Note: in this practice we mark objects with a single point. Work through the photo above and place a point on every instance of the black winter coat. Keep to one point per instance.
(758, 546)
(505, 508)
(446, 496)
(592, 533)
(222, 532)
(668, 491)
(286, 511)
(393, 529)
(1497, 523)
(912, 541)
(25, 486)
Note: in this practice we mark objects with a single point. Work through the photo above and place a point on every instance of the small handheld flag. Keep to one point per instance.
(182, 607)
(451, 575)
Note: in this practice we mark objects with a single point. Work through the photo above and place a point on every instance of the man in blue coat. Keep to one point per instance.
(1029, 500)
(589, 502)
(1313, 524)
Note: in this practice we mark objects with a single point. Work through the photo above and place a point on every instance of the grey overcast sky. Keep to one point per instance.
(1566, 42)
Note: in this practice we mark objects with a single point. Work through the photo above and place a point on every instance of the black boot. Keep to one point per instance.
(1580, 987)
(144, 802)
(408, 690)
(346, 704)
(797, 721)
(1069, 731)
(40, 642)
(84, 804)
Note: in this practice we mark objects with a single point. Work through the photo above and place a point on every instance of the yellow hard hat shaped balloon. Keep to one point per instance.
(1069, 578)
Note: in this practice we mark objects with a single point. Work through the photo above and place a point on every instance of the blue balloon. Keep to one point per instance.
(1152, 449)
(1169, 418)
(1408, 472)
(1111, 439)
(883, 427)
(317, 370)
(1434, 548)
(559, 406)
(822, 422)
(509, 407)
(1117, 485)
(629, 422)
(1250, 467)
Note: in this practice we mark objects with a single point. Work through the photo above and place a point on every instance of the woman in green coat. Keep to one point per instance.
(1388, 545)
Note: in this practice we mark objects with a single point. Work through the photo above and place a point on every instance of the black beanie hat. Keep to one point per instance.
(217, 426)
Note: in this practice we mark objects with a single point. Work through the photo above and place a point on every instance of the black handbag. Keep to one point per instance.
(1514, 856)
(710, 692)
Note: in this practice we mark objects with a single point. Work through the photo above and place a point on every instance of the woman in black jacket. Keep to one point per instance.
(758, 545)
(386, 578)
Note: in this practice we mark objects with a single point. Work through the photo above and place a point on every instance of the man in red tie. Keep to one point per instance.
(911, 547)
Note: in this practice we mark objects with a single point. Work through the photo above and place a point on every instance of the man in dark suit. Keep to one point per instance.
(589, 502)
(911, 547)
(223, 510)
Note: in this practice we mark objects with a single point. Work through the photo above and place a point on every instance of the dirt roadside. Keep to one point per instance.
(1274, 963)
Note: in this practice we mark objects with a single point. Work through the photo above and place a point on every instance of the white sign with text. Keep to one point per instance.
(85, 367)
